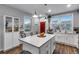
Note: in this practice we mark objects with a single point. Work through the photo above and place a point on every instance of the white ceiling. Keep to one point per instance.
(41, 9)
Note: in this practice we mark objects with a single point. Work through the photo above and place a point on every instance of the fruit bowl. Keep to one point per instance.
(42, 34)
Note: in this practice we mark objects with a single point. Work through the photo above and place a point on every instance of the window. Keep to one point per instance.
(67, 22)
(63, 22)
(27, 23)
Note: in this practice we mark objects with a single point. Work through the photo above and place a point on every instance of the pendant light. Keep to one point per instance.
(35, 15)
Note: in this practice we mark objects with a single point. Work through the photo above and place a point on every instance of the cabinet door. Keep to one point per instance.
(16, 31)
(45, 49)
(72, 40)
(60, 38)
(69, 39)
(8, 24)
(75, 40)
(52, 45)
(15, 39)
(8, 41)
(16, 25)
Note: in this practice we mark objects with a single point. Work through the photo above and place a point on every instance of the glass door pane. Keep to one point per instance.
(16, 24)
(8, 24)
(36, 25)
(27, 23)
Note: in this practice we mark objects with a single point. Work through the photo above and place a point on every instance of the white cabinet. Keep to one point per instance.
(72, 40)
(52, 45)
(37, 45)
(45, 49)
(8, 41)
(30, 48)
(11, 32)
(68, 39)
(60, 38)
(15, 39)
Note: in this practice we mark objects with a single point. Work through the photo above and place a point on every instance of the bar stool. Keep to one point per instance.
(25, 52)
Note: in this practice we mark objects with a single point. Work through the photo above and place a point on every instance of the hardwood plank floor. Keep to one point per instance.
(65, 49)
(60, 48)
(15, 50)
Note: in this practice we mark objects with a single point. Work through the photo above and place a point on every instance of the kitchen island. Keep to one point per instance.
(39, 45)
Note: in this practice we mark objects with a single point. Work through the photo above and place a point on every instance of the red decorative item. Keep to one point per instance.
(42, 26)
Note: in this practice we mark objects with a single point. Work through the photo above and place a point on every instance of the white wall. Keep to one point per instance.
(5, 10)
(76, 19)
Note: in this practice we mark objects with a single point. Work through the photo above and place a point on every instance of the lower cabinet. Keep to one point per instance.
(72, 40)
(15, 39)
(52, 45)
(46, 48)
(68, 39)
(10, 41)
(28, 47)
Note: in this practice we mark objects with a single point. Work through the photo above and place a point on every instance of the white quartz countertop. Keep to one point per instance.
(37, 41)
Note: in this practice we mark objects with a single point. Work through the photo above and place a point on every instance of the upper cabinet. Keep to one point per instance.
(11, 24)
(8, 24)
(16, 24)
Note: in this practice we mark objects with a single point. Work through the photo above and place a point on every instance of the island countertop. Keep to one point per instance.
(37, 41)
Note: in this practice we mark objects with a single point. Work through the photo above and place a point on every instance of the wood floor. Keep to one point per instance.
(65, 49)
(15, 50)
(60, 48)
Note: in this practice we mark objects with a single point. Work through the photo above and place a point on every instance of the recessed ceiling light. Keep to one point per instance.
(49, 10)
(69, 5)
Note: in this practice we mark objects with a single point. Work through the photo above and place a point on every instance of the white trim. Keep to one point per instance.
(72, 21)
